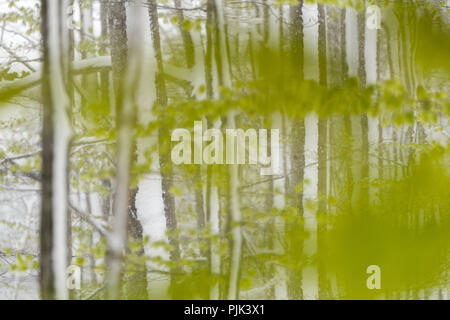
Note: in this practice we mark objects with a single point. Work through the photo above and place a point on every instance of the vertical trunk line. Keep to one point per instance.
(298, 150)
(163, 134)
(322, 156)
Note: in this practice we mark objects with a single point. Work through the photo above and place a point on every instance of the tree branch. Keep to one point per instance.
(8, 89)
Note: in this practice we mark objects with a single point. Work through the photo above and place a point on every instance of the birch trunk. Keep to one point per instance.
(279, 203)
(125, 106)
(311, 71)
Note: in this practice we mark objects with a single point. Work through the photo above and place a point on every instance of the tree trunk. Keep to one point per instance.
(279, 203)
(188, 45)
(297, 152)
(89, 83)
(119, 46)
(322, 155)
(348, 144)
(163, 135)
(224, 78)
(186, 36)
(119, 56)
(126, 71)
(56, 136)
(236, 229)
(364, 121)
(104, 75)
(137, 282)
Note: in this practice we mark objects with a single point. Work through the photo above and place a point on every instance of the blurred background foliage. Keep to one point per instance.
(403, 228)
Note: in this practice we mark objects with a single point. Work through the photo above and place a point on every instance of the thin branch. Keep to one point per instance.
(88, 218)
(18, 59)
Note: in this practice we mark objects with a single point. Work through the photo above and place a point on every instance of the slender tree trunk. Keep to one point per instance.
(71, 94)
(216, 27)
(364, 121)
(381, 153)
(104, 75)
(214, 247)
(119, 56)
(119, 47)
(56, 136)
(298, 147)
(137, 283)
(212, 190)
(224, 78)
(126, 72)
(163, 135)
(266, 24)
(210, 9)
(89, 83)
(190, 61)
(105, 96)
(395, 153)
(322, 154)
(279, 203)
(347, 118)
(281, 185)
(90, 265)
(236, 229)
(186, 36)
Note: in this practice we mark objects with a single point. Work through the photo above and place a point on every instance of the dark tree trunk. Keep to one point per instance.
(190, 60)
(46, 274)
(137, 282)
(186, 36)
(298, 149)
(119, 54)
(163, 134)
(56, 137)
(119, 47)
